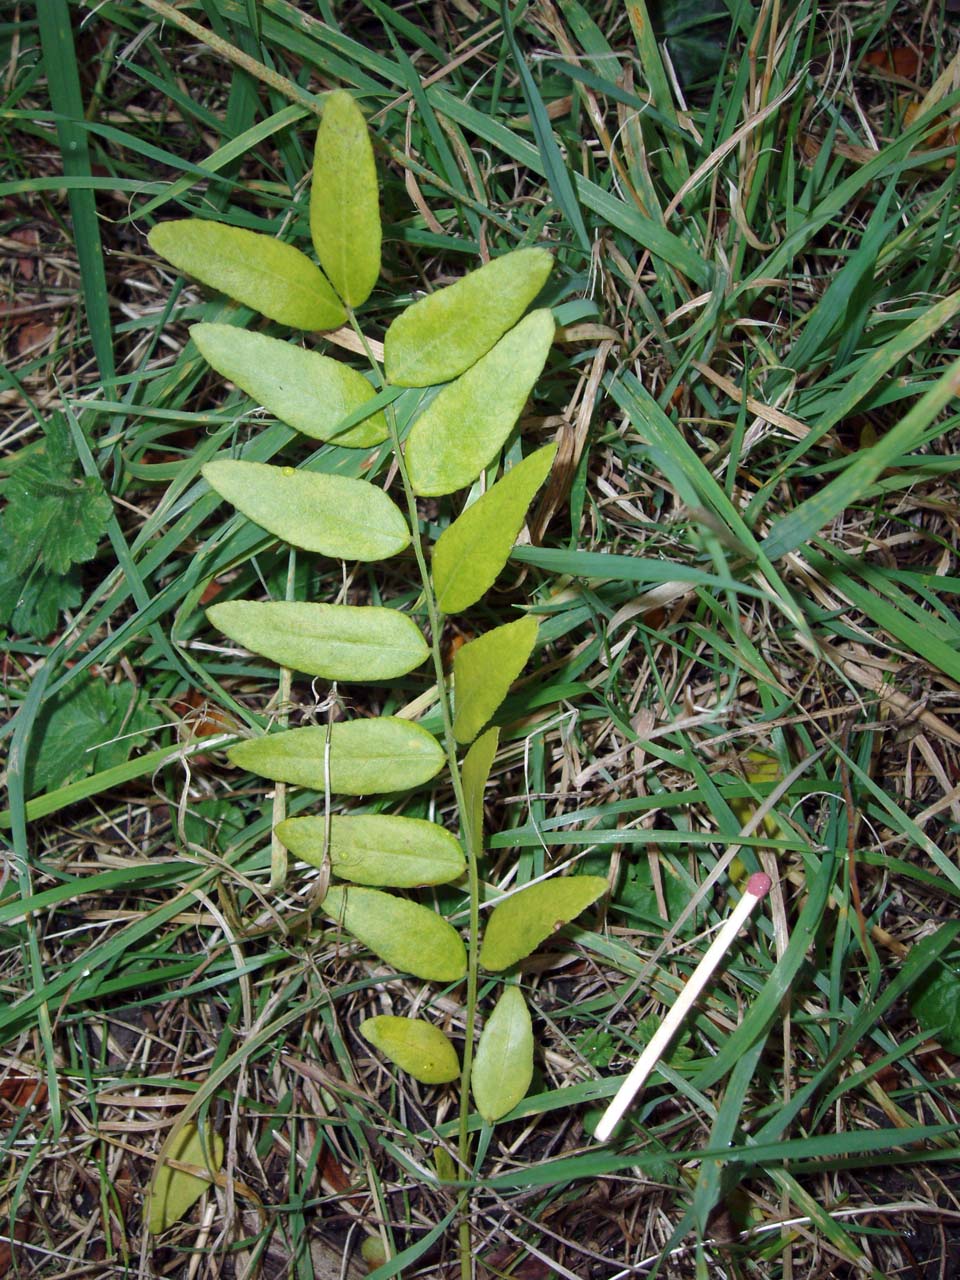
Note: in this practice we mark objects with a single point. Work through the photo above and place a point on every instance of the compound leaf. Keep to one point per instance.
(411, 938)
(272, 277)
(173, 1191)
(377, 849)
(308, 391)
(416, 1046)
(443, 334)
(483, 671)
(471, 552)
(503, 1066)
(366, 757)
(468, 421)
(517, 926)
(344, 203)
(335, 515)
(336, 641)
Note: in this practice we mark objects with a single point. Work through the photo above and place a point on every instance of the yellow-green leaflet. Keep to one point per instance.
(475, 771)
(172, 1191)
(272, 277)
(310, 392)
(462, 429)
(403, 934)
(416, 1046)
(336, 641)
(503, 1067)
(441, 335)
(471, 552)
(517, 926)
(483, 671)
(335, 515)
(377, 849)
(344, 202)
(367, 757)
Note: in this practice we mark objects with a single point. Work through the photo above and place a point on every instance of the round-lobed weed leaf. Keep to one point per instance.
(503, 1066)
(519, 924)
(483, 671)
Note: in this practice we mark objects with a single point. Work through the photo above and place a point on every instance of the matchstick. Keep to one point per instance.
(758, 886)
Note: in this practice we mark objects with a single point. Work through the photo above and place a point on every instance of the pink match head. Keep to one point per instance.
(759, 884)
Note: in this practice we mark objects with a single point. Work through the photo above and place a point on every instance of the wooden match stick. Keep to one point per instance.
(758, 886)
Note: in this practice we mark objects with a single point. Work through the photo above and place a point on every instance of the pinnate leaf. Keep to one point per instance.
(334, 515)
(344, 202)
(336, 641)
(483, 671)
(503, 1066)
(443, 334)
(471, 552)
(517, 926)
(411, 938)
(173, 1191)
(306, 390)
(377, 849)
(367, 757)
(416, 1046)
(462, 429)
(272, 277)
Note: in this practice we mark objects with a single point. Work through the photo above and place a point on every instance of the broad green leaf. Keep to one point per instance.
(475, 771)
(416, 1046)
(411, 938)
(367, 757)
(335, 515)
(471, 552)
(443, 334)
(503, 1067)
(308, 391)
(173, 1191)
(344, 201)
(517, 926)
(272, 277)
(935, 1002)
(464, 426)
(375, 849)
(483, 671)
(336, 641)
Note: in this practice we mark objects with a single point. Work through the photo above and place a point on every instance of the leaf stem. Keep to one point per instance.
(435, 618)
